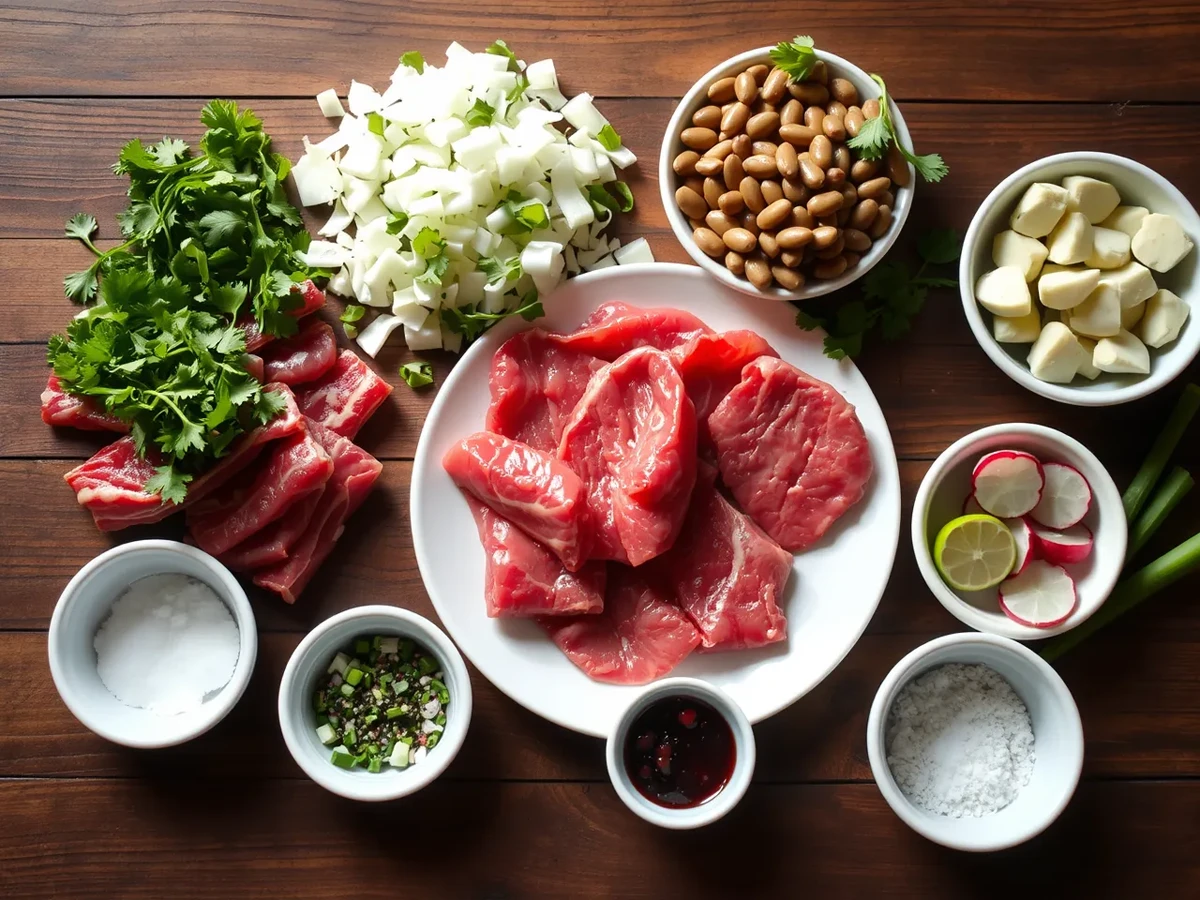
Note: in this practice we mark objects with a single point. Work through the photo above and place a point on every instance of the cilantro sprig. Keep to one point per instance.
(876, 134)
(210, 237)
(892, 296)
(417, 374)
(470, 321)
(795, 57)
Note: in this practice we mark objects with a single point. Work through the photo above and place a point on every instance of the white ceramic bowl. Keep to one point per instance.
(668, 181)
(85, 604)
(1138, 186)
(1057, 736)
(725, 799)
(308, 666)
(948, 483)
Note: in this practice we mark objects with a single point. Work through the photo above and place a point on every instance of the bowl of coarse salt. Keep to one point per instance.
(975, 742)
(152, 643)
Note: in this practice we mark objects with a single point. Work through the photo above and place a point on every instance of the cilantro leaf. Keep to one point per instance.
(435, 269)
(414, 60)
(396, 222)
(228, 298)
(222, 226)
(608, 137)
(807, 321)
(500, 48)
(517, 91)
(375, 123)
(479, 114)
(796, 57)
(80, 286)
(352, 313)
(940, 246)
(417, 374)
(499, 271)
(82, 226)
(428, 243)
(169, 483)
(931, 167)
(849, 345)
(872, 139)
(876, 134)
(470, 322)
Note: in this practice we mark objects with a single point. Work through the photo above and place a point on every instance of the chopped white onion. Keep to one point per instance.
(331, 106)
(637, 251)
(372, 338)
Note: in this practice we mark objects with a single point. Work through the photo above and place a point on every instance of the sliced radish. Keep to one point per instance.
(971, 507)
(1008, 483)
(1042, 596)
(1066, 497)
(1023, 535)
(1062, 547)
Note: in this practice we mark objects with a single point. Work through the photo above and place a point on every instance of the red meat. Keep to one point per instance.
(640, 636)
(615, 328)
(302, 358)
(792, 451)
(536, 383)
(534, 491)
(711, 366)
(344, 397)
(632, 439)
(525, 579)
(61, 408)
(271, 544)
(312, 298)
(255, 367)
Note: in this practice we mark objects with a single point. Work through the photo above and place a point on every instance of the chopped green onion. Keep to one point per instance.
(374, 765)
(608, 137)
(354, 676)
(339, 664)
(394, 712)
(349, 738)
(1139, 489)
(1165, 499)
(389, 644)
(347, 689)
(342, 758)
(426, 665)
(362, 647)
(370, 720)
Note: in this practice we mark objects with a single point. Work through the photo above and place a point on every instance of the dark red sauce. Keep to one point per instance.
(679, 752)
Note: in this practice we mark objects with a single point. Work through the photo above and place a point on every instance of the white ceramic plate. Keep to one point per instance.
(834, 588)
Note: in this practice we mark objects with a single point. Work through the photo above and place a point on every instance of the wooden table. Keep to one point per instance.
(526, 810)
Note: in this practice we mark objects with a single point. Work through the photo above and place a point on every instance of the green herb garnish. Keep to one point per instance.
(417, 374)
(375, 123)
(500, 48)
(499, 271)
(795, 57)
(352, 313)
(470, 322)
(396, 222)
(601, 198)
(480, 114)
(873, 138)
(413, 60)
(608, 137)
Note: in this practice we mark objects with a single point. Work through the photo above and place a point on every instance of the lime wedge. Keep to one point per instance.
(974, 552)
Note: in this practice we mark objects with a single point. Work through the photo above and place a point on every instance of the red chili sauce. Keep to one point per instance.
(679, 752)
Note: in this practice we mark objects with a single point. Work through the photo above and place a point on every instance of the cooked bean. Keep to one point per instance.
(764, 148)
(864, 214)
(731, 203)
(696, 183)
(835, 108)
(721, 90)
(887, 198)
(830, 268)
(795, 190)
(814, 116)
(819, 73)
(844, 91)
(695, 223)
(821, 150)
(856, 240)
(872, 188)
(835, 177)
(691, 203)
(758, 272)
(841, 157)
(792, 258)
(741, 145)
(851, 258)
(786, 160)
(768, 245)
(752, 194)
(863, 169)
(798, 135)
(826, 203)
(825, 236)
(735, 263)
(788, 279)
(801, 218)
(882, 222)
(747, 218)
(842, 216)
(745, 88)
(870, 109)
(760, 166)
(834, 249)
(809, 94)
(759, 71)
(897, 167)
(685, 162)
(771, 189)
(775, 86)
(829, 221)
(733, 171)
(713, 190)
(794, 237)
(740, 240)
(811, 173)
(775, 215)
(853, 121)
(707, 117)
(735, 118)
(849, 195)
(792, 112)
(720, 150)
(719, 221)
(698, 138)
(709, 242)
(707, 165)
(763, 124)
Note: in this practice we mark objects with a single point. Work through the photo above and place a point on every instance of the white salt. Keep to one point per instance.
(960, 741)
(168, 645)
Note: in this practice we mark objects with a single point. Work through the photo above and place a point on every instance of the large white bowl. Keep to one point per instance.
(948, 483)
(829, 600)
(1138, 186)
(668, 181)
(1057, 747)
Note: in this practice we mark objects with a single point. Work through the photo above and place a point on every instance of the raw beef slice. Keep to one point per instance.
(344, 397)
(531, 489)
(525, 579)
(303, 357)
(535, 382)
(308, 297)
(792, 451)
(615, 328)
(632, 440)
(61, 408)
(727, 574)
(711, 366)
(640, 636)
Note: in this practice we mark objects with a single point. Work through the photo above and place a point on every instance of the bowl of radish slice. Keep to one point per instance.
(1045, 530)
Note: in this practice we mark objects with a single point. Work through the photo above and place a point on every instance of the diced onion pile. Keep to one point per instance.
(466, 203)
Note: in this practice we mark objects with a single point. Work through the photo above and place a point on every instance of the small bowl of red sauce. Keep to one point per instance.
(682, 754)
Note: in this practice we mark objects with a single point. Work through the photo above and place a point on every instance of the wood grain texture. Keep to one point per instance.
(942, 49)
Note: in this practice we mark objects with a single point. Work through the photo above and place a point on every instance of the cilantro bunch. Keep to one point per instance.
(892, 296)
(210, 237)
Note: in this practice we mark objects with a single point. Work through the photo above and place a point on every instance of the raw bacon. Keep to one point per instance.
(61, 408)
(345, 397)
(312, 297)
(302, 358)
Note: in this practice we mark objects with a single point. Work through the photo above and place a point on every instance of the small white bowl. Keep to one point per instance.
(668, 181)
(308, 665)
(946, 486)
(1057, 735)
(725, 799)
(1138, 186)
(85, 604)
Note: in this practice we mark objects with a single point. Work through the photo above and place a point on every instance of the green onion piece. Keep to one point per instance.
(375, 641)
(347, 689)
(1141, 585)
(319, 704)
(350, 738)
(370, 720)
(1165, 499)
(391, 745)
(389, 644)
(426, 665)
(1139, 489)
(342, 758)
(394, 712)
(354, 676)
(400, 686)
(374, 765)
(407, 649)
(431, 741)
(362, 647)
(385, 679)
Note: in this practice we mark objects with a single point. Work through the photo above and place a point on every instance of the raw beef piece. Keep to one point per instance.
(632, 439)
(640, 636)
(727, 575)
(290, 470)
(303, 357)
(354, 474)
(533, 490)
(792, 451)
(61, 408)
(255, 367)
(525, 579)
(344, 397)
(711, 365)
(271, 544)
(111, 485)
(312, 298)
(615, 328)
(536, 383)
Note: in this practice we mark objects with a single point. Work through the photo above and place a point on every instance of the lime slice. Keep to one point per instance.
(974, 552)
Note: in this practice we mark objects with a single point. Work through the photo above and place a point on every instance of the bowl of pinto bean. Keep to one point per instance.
(761, 187)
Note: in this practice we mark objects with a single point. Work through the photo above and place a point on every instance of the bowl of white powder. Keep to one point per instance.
(152, 643)
(975, 742)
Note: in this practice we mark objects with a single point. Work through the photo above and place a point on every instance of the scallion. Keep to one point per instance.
(1165, 499)
(1139, 489)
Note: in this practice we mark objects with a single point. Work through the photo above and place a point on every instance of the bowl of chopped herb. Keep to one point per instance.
(375, 702)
